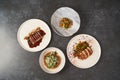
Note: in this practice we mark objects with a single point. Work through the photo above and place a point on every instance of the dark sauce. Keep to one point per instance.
(35, 37)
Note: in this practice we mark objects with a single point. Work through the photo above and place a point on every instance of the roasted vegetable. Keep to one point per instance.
(66, 23)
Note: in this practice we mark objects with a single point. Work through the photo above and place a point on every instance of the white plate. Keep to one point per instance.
(27, 27)
(69, 13)
(91, 60)
(56, 70)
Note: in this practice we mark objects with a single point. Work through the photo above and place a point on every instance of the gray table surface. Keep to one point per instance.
(99, 18)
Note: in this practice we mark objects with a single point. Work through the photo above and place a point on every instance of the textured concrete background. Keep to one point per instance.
(99, 18)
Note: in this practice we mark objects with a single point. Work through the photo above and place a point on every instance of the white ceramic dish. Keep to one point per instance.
(56, 70)
(27, 27)
(69, 13)
(91, 60)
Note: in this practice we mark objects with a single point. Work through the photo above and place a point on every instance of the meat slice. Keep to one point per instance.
(42, 33)
(82, 50)
(90, 50)
(32, 40)
(81, 56)
(38, 37)
(85, 54)
(35, 37)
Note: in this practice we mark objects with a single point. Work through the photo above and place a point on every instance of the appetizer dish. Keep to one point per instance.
(35, 37)
(83, 51)
(52, 60)
(65, 21)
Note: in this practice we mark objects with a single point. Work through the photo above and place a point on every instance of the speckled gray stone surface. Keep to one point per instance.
(99, 18)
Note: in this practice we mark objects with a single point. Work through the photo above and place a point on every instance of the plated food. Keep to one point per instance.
(65, 21)
(34, 35)
(83, 51)
(52, 60)
(34, 38)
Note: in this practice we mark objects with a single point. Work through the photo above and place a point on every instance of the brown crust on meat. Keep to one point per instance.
(34, 38)
(82, 53)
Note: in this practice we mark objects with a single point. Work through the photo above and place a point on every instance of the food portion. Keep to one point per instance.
(52, 60)
(82, 50)
(66, 23)
(35, 37)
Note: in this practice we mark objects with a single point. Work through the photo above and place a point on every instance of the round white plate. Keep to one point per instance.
(91, 60)
(69, 13)
(27, 27)
(56, 70)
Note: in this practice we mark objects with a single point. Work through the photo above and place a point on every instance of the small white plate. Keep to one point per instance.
(27, 27)
(69, 13)
(56, 70)
(91, 60)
